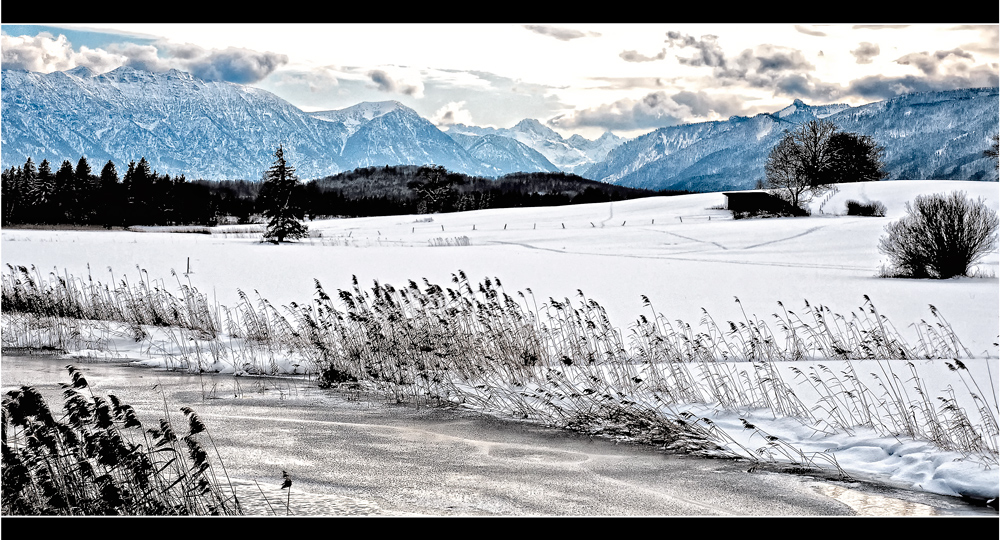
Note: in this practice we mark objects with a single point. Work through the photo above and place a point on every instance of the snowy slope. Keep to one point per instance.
(508, 155)
(182, 125)
(684, 253)
(211, 130)
(932, 135)
(573, 155)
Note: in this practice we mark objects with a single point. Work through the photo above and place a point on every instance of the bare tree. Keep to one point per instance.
(784, 173)
(855, 158)
(815, 155)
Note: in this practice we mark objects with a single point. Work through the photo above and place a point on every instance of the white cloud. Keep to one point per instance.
(452, 113)
(44, 53)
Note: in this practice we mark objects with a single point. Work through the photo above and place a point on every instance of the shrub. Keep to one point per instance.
(873, 208)
(941, 236)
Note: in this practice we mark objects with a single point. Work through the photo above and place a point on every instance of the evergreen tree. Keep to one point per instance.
(42, 193)
(109, 205)
(994, 151)
(281, 201)
(139, 191)
(65, 192)
(84, 187)
(13, 186)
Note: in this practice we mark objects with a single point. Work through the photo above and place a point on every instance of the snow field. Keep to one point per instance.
(687, 256)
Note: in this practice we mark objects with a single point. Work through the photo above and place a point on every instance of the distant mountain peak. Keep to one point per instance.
(82, 72)
(534, 126)
(932, 135)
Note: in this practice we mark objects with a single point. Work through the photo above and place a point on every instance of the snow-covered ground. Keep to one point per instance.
(685, 254)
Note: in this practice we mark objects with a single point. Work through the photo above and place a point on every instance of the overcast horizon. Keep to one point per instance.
(575, 78)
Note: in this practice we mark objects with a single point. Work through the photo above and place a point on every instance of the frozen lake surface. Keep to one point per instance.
(350, 456)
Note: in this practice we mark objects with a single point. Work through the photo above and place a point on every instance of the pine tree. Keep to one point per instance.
(42, 193)
(65, 193)
(280, 199)
(110, 200)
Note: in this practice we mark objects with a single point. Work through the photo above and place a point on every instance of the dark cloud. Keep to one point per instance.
(787, 72)
(801, 85)
(185, 51)
(236, 65)
(757, 66)
(635, 56)
(702, 104)
(709, 53)
(771, 58)
(767, 66)
(809, 31)
(144, 57)
(865, 52)
(242, 66)
(562, 34)
(783, 70)
(878, 87)
(989, 38)
(653, 111)
(931, 64)
(385, 83)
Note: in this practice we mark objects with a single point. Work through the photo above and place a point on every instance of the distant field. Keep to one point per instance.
(684, 253)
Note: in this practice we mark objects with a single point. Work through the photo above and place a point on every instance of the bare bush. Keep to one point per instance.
(873, 208)
(941, 236)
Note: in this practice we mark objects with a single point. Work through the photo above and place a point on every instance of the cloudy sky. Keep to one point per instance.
(575, 78)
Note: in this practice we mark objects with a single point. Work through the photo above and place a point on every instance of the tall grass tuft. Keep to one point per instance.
(558, 361)
(98, 459)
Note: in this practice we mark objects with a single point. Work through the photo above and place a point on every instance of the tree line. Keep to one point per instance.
(77, 195)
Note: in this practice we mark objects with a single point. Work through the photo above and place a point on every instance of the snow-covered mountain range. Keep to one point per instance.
(218, 130)
(573, 155)
(931, 135)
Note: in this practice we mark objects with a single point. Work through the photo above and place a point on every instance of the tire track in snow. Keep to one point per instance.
(689, 259)
(803, 233)
(720, 246)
